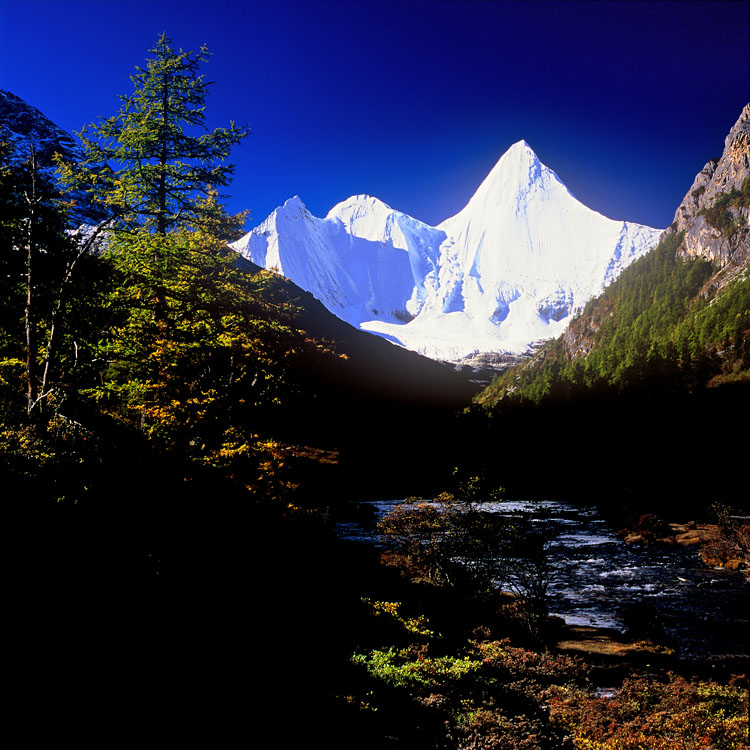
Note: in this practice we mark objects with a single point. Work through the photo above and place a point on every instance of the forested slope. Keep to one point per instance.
(652, 328)
(655, 370)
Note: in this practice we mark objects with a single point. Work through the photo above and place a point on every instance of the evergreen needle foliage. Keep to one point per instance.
(150, 163)
(651, 330)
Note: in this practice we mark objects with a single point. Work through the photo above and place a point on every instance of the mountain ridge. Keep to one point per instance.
(508, 270)
(714, 218)
(25, 129)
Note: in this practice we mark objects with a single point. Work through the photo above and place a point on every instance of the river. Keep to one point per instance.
(664, 593)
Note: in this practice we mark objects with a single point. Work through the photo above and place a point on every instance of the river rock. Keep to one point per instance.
(670, 541)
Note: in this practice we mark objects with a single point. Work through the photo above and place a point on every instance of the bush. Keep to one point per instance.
(491, 696)
(650, 715)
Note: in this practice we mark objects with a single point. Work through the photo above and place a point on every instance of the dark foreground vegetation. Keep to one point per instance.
(177, 431)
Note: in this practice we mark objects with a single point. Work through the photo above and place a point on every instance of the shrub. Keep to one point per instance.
(651, 715)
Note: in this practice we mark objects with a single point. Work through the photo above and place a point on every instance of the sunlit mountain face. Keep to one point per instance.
(509, 270)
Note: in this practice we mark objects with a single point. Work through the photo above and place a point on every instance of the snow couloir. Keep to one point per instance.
(509, 270)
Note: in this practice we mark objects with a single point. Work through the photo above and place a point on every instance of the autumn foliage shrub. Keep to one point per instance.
(731, 545)
(650, 715)
(491, 695)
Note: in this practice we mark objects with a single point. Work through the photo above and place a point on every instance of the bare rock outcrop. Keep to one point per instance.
(715, 213)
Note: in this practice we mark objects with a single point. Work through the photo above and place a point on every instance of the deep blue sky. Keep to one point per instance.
(414, 101)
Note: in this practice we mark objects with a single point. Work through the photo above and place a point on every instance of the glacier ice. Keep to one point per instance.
(509, 270)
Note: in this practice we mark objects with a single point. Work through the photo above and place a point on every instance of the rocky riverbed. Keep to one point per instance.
(622, 600)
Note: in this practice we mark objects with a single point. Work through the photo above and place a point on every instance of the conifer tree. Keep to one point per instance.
(152, 166)
(149, 165)
(194, 347)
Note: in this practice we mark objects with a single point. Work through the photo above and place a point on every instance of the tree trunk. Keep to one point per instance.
(161, 219)
(31, 343)
(49, 352)
(161, 227)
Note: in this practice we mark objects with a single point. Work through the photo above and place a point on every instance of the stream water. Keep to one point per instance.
(664, 593)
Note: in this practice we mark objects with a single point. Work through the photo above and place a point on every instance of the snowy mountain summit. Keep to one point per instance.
(509, 270)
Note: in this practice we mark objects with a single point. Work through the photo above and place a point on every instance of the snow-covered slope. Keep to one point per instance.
(508, 270)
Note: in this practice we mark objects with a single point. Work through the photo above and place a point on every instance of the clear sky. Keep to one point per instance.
(414, 101)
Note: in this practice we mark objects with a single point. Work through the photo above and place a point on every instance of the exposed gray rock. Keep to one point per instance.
(728, 250)
(695, 199)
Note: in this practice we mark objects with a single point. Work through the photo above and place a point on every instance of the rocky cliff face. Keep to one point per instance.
(714, 216)
(715, 213)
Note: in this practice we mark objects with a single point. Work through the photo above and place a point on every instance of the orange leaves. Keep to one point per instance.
(651, 715)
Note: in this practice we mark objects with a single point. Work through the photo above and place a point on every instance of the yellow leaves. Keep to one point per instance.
(12, 362)
(11, 369)
(24, 443)
(363, 704)
(390, 610)
(412, 668)
(236, 445)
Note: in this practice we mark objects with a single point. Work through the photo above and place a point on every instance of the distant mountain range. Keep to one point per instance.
(24, 126)
(509, 270)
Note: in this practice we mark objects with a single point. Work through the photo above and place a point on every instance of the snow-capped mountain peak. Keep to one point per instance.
(356, 206)
(518, 169)
(518, 166)
(292, 207)
(509, 269)
(364, 216)
(516, 176)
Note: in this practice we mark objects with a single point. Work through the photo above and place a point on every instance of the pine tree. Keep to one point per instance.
(149, 165)
(152, 169)
(194, 347)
